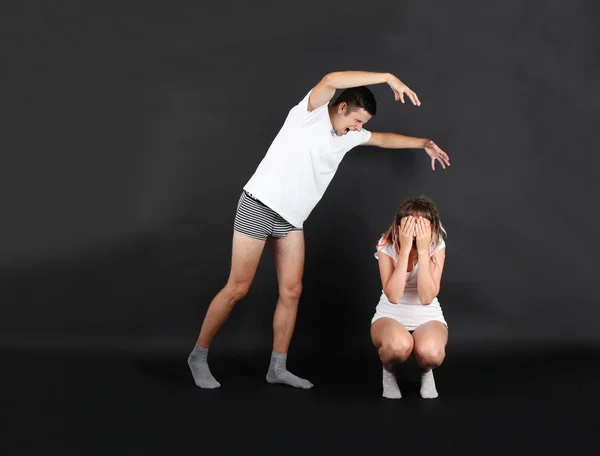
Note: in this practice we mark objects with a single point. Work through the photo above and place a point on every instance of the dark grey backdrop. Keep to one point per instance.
(129, 129)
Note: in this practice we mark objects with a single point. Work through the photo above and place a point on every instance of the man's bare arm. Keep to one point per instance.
(396, 141)
(324, 91)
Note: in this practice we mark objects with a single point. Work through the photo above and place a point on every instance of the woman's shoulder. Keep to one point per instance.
(437, 246)
(385, 247)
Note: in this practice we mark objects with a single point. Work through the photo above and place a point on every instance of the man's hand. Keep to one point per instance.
(400, 89)
(436, 154)
(423, 235)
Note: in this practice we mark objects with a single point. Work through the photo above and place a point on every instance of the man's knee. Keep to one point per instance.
(291, 292)
(237, 290)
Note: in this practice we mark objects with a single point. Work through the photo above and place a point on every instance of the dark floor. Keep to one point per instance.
(106, 404)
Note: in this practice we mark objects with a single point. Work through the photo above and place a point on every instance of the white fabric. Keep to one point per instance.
(301, 162)
(409, 311)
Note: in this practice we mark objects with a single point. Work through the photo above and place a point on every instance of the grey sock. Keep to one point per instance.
(199, 367)
(279, 374)
(390, 386)
(428, 390)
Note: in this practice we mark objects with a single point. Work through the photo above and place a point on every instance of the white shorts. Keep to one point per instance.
(409, 316)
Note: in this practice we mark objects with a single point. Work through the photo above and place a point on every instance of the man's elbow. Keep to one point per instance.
(381, 140)
(384, 142)
(329, 80)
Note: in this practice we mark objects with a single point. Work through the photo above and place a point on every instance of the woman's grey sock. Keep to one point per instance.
(428, 390)
(390, 386)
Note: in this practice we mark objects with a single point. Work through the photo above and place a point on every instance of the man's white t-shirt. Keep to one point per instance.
(301, 162)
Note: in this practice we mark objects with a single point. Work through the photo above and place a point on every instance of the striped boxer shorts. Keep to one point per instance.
(258, 221)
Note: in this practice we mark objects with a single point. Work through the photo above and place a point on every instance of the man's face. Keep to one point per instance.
(346, 120)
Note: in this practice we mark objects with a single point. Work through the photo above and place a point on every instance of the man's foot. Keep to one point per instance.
(200, 371)
(279, 374)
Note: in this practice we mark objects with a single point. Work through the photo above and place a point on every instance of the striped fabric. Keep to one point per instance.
(258, 221)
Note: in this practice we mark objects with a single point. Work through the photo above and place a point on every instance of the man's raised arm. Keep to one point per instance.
(325, 89)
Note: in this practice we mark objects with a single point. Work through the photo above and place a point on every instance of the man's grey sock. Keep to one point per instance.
(199, 367)
(279, 374)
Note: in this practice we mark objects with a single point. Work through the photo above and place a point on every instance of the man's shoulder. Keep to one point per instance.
(300, 117)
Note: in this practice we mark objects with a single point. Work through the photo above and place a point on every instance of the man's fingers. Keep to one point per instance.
(399, 95)
(437, 154)
(413, 97)
(444, 156)
(417, 99)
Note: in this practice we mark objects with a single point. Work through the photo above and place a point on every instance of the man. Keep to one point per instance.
(287, 185)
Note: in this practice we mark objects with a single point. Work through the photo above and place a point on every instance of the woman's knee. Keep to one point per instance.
(430, 354)
(397, 348)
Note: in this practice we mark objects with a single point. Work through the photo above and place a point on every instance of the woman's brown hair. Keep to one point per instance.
(417, 206)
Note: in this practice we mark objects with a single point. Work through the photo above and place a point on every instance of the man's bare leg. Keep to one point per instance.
(246, 253)
(288, 256)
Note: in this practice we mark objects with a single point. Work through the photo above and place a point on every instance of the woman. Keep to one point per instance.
(408, 318)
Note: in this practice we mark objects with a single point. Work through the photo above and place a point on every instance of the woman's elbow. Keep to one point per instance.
(392, 298)
(426, 299)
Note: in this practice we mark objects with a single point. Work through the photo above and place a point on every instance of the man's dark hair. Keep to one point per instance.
(358, 97)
